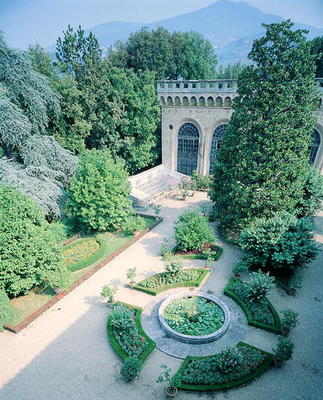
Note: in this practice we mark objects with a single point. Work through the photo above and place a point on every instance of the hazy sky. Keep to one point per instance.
(29, 21)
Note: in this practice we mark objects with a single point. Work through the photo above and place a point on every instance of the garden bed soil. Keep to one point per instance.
(28, 308)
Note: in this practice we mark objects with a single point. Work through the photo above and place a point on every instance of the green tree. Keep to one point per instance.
(29, 252)
(168, 54)
(312, 194)
(40, 60)
(282, 241)
(99, 192)
(317, 51)
(263, 161)
(33, 162)
(192, 231)
(230, 71)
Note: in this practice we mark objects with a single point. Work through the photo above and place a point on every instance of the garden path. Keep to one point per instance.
(64, 354)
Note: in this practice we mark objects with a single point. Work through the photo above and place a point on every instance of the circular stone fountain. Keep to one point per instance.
(188, 338)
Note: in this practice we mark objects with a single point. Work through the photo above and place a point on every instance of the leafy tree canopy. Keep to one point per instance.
(317, 51)
(263, 162)
(168, 54)
(99, 192)
(281, 241)
(230, 71)
(29, 253)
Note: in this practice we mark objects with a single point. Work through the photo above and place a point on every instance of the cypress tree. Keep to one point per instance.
(263, 162)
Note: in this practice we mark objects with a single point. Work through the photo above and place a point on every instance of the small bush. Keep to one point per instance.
(130, 368)
(174, 267)
(134, 224)
(131, 273)
(192, 231)
(260, 284)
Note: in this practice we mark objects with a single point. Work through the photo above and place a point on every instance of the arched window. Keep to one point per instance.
(216, 143)
(316, 141)
(187, 149)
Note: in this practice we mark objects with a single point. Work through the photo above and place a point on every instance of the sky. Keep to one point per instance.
(42, 21)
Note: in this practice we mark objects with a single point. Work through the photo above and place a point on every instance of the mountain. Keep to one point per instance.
(231, 27)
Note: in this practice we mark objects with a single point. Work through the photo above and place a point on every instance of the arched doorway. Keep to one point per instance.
(187, 148)
(216, 143)
(316, 141)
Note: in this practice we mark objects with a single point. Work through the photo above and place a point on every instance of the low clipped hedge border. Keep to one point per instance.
(114, 343)
(90, 260)
(162, 288)
(276, 328)
(207, 388)
(201, 256)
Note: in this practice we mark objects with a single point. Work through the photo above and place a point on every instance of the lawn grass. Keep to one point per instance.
(26, 305)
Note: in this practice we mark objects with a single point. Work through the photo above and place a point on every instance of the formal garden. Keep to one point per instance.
(66, 216)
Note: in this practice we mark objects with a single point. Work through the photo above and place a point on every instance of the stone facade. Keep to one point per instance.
(207, 105)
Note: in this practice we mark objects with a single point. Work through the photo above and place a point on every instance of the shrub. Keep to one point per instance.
(230, 360)
(282, 241)
(130, 368)
(192, 231)
(284, 349)
(134, 224)
(289, 320)
(99, 193)
(174, 267)
(6, 310)
(201, 181)
(242, 266)
(108, 292)
(125, 331)
(259, 285)
(29, 253)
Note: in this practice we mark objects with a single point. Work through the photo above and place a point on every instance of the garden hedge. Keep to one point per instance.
(206, 388)
(201, 256)
(276, 328)
(114, 343)
(155, 292)
(90, 260)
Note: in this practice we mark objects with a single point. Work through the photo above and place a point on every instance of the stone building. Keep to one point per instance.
(195, 115)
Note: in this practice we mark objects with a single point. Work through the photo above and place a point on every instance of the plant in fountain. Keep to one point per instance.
(194, 316)
(165, 376)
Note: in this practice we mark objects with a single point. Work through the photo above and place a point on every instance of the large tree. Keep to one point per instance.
(99, 193)
(116, 108)
(29, 252)
(31, 161)
(317, 51)
(168, 54)
(263, 162)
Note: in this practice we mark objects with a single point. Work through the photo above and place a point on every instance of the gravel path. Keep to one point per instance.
(64, 354)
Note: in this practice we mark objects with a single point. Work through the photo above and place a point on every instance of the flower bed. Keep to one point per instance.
(260, 314)
(195, 316)
(82, 253)
(163, 281)
(198, 254)
(222, 371)
(132, 342)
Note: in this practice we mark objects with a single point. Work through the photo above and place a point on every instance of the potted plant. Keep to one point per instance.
(283, 351)
(108, 292)
(289, 321)
(165, 376)
(131, 274)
